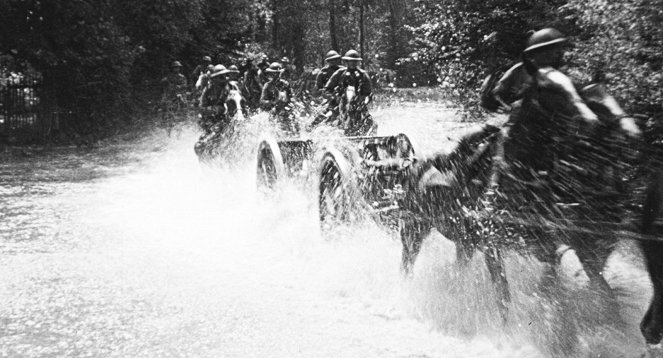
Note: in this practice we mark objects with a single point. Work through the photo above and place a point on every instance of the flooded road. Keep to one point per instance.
(132, 249)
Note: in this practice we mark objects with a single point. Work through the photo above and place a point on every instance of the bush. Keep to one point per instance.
(620, 41)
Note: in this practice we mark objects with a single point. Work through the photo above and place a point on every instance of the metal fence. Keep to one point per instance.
(23, 113)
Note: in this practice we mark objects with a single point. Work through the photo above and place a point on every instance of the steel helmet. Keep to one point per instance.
(332, 55)
(352, 55)
(218, 70)
(176, 64)
(285, 60)
(233, 68)
(544, 37)
(207, 59)
(275, 67)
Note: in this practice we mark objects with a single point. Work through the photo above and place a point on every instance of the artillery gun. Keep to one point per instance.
(354, 176)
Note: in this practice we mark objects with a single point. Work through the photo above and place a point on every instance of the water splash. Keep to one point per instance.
(161, 256)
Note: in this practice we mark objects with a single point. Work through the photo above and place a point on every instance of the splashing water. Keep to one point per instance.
(134, 249)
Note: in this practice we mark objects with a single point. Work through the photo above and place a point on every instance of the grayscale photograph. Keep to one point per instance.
(331, 178)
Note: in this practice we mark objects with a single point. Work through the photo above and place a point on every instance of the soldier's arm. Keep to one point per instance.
(318, 82)
(266, 102)
(201, 81)
(507, 89)
(204, 101)
(332, 83)
(366, 86)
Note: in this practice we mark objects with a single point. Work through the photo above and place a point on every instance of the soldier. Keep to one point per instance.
(333, 60)
(251, 86)
(276, 93)
(276, 97)
(174, 85)
(289, 70)
(233, 74)
(351, 75)
(336, 87)
(212, 101)
(201, 68)
(262, 71)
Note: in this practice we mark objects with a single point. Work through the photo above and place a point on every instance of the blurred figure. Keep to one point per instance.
(351, 75)
(251, 86)
(174, 85)
(333, 64)
(546, 49)
(212, 101)
(330, 103)
(351, 88)
(203, 79)
(289, 70)
(276, 98)
(262, 71)
(233, 74)
(173, 97)
(201, 68)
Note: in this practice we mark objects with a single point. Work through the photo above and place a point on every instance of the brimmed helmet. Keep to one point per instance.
(352, 55)
(332, 55)
(233, 69)
(219, 70)
(207, 59)
(543, 38)
(176, 64)
(275, 67)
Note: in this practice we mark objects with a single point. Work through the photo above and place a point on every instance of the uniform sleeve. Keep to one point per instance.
(265, 97)
(333, 82)
(318, 81)
(204, 97)
(201, 81)
(366, 86)
(507, 86)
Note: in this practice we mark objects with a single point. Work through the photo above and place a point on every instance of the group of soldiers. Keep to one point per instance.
(268, 87)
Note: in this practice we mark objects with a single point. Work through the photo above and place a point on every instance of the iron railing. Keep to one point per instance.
(23, 111)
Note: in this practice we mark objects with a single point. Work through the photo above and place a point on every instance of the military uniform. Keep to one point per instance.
(324, 75)
(345, 77)
(513, 84)
(276, 94)
(173, 84)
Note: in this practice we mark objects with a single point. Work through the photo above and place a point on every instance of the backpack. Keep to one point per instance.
(487, 99)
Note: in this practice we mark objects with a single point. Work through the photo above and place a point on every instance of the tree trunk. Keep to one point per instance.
(299, 47)
(362, 35)
(395, 20)
(332, 25)
(275, 27)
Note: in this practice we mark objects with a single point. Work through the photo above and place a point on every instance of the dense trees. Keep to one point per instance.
(621, 40)
(95, 55)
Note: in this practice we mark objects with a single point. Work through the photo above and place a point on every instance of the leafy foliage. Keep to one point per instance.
(465, 40)
(97, 55)
(620, 40)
